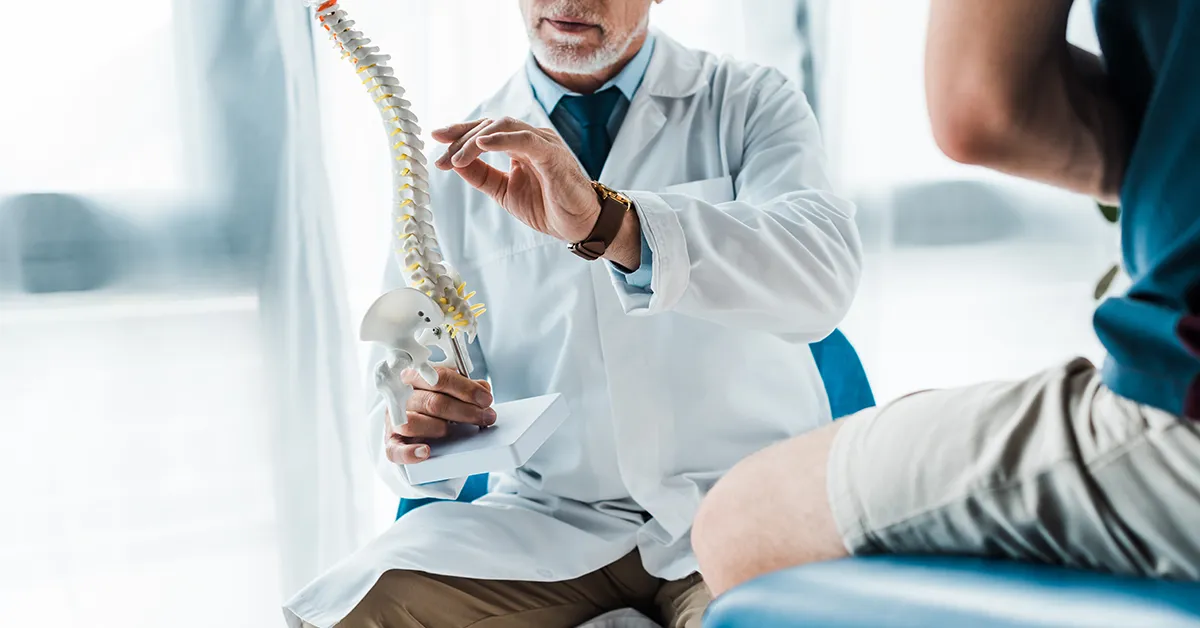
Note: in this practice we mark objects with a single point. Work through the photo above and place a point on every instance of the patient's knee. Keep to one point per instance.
(769, 512)
(723, 532)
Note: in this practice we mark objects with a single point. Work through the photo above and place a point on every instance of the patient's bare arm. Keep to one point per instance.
(1007, 91)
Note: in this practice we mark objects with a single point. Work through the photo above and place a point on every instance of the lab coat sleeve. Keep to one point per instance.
(392, 474)
(784, 256)
(639, 279)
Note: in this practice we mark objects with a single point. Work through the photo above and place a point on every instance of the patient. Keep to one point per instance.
(1097, 469)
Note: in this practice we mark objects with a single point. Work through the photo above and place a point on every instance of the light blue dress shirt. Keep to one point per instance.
(548, 94)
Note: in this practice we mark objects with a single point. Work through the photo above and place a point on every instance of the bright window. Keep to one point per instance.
(96, 107)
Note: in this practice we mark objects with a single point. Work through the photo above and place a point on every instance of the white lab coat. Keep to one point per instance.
(753, 258)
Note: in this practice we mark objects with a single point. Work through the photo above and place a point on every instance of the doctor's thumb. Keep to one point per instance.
(405, 453)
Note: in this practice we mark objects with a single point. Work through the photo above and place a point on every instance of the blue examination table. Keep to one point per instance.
(949, 591)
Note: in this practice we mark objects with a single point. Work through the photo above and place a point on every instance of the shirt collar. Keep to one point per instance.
(548, 92)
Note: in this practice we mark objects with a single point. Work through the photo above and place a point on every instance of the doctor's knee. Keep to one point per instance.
(393, 600)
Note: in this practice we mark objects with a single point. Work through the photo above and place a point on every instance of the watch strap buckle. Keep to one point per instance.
(613, 206)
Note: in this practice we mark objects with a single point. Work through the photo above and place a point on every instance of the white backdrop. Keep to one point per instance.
(51, 142)
(970, 274)
(876, 124)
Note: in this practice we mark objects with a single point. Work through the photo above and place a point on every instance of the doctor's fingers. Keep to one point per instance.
(533, 145)
(451, 133)
(423, 426)
(451, 382)
(401, 452)
(482, 176)
(470, 150)
(448, 408)
(457, 143)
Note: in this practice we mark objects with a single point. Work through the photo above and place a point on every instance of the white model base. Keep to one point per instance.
(521, 428)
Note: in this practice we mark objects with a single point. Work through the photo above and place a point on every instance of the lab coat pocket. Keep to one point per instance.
(714, 191)
(497, 243)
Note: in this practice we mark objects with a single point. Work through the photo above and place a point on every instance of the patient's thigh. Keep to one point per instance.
(1054, 468)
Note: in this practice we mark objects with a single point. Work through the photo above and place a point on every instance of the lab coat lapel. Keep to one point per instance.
(642, 124)
(674, 72)
(516, 100)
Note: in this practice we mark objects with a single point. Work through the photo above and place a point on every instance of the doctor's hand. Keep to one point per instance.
(431, 409)
(545, 188)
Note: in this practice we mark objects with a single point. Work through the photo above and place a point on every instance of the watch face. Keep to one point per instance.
(611, 193)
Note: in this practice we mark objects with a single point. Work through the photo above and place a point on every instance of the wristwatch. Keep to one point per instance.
(613, 206)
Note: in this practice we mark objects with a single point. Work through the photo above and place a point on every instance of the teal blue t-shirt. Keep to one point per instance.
(1152, 333)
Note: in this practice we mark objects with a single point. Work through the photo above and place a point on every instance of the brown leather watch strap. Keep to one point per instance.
(612, 213)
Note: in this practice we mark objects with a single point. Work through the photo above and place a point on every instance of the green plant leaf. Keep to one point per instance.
(1110, 212)
(1106, 281)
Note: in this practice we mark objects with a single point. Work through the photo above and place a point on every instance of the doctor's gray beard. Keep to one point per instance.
(564, 55)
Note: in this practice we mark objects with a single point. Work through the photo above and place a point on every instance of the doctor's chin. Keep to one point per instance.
(601, 314)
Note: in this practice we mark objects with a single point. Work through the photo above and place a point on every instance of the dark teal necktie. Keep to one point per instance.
(593, 113)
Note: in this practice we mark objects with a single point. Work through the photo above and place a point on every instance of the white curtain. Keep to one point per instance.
(179, 407)
(323, 478)
(176, 430)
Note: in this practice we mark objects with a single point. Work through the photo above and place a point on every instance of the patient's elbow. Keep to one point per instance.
(973, 127)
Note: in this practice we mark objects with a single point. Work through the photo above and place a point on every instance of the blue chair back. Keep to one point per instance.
(845, 379)
(841, 371)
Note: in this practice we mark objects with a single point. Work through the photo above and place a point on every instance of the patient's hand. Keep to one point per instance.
(431, 408)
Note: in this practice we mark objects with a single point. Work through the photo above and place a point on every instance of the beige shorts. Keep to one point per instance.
(1055, 469)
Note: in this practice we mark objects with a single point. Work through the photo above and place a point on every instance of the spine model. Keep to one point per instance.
(416, 245)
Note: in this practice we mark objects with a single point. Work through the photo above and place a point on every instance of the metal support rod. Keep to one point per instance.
(459, 361)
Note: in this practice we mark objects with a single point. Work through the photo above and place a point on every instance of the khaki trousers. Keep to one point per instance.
(1053, 469)
(411, 599)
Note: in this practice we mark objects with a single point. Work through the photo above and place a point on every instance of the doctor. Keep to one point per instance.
(652, 230)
